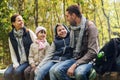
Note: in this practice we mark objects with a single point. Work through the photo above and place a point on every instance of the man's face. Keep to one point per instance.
(71, 18)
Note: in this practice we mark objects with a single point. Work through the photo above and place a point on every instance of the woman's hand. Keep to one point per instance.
(16, 66)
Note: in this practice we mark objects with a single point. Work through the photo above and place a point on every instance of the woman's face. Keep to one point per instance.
(18, 22)
(61, 31)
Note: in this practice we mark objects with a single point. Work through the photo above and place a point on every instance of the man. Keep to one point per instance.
(84, 41)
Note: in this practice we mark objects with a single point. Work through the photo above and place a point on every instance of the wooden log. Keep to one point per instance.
(2, 73)
(111, 76)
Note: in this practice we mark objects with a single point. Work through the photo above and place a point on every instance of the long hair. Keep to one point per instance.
(13, 19)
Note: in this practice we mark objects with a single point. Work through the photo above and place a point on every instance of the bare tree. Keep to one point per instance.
(64, 9)
(108, 19)
(20, 6)
(94, 10)
(102, 30)
(116, 14)
(36, 12)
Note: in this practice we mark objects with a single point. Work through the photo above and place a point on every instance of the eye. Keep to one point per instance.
(59, 30)
(42, 31)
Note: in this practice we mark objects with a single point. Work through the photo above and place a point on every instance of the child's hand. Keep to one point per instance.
(36, 70)
(33, 65)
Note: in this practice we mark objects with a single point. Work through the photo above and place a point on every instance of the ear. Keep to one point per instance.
(13, 23)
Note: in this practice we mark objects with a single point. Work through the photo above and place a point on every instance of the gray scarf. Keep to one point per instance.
(18, 34)
(81, 26)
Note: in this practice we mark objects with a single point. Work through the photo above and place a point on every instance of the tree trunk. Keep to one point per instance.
(64, 9)
(36, 13)
(116, 14)
(21, 7)
(108, 21)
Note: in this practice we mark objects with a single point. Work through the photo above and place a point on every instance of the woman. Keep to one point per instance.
(20, 40)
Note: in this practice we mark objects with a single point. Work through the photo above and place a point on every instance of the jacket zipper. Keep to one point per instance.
(64, 47)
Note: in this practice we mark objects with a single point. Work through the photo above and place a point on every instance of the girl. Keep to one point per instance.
(38, 50)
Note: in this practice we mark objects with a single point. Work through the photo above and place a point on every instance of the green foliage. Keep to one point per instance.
(5, 14)
(51, 12)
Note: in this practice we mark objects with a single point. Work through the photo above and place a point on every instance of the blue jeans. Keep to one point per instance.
(43, 70)
(60, 71)
(53, 70)
(15, 74)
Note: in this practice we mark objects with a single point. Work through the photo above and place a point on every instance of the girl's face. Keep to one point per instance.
(61, 31)
(41, 35)
(18, 22)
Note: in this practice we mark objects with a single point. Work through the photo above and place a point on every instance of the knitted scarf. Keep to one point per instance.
(81, 26)
(41, 44)
(18, 34)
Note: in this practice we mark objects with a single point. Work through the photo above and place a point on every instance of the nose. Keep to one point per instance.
(22, 22)
(62, 31)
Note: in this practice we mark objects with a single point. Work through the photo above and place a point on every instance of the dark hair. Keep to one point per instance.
(74, 9)
(59, 24)
(13, 19)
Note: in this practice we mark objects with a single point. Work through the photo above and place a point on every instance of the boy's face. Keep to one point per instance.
(61, 31)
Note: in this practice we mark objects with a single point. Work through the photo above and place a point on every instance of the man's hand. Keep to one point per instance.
(71, 70)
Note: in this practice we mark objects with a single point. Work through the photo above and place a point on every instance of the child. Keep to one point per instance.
(59, 51)
(38, 50)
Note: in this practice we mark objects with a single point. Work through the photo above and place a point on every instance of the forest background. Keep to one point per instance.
(104, 13)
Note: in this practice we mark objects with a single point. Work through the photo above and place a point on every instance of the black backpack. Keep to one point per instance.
(110, 58)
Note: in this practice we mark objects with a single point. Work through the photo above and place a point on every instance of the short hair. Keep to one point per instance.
(74, 9)
(13, 18)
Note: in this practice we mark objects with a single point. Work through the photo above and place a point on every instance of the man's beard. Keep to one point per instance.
(73, 23)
